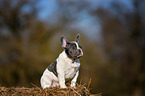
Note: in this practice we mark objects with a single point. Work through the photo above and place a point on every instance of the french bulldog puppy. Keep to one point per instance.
(65, 67)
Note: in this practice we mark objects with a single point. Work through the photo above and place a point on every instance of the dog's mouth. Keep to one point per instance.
(78, 56)
(73, 55)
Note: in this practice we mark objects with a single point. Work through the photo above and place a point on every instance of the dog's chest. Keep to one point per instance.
(70, 68)
(70, 72)
(67, 66)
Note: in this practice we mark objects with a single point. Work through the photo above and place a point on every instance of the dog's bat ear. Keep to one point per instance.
(63, 42)
(78, 38)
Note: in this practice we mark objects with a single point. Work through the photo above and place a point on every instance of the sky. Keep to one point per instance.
(88, 24)
(47, 8)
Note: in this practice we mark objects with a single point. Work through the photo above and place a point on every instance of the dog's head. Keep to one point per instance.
(73, 48)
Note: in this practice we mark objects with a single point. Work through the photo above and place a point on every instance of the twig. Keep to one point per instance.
(80, 81)
(89, 83)
(36, 86)
(75, 91)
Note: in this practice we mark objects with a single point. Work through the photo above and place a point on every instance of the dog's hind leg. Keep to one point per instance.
(45, 82)
(55, 84)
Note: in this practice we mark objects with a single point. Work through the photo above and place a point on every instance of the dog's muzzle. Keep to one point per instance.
(80, 53)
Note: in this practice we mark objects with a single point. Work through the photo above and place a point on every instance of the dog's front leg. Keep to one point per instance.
(61, 78)
(73, 82)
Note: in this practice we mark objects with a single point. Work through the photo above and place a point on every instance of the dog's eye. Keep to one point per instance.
(73, 47)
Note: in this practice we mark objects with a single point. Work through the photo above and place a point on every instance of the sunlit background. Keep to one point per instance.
(112, 36)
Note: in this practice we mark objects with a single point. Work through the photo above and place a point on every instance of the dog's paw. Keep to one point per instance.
(73, 85)
(63, 86)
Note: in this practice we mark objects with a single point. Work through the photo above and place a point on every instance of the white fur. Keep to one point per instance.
(65, 69)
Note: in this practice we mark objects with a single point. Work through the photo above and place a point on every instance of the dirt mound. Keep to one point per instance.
(81, 90)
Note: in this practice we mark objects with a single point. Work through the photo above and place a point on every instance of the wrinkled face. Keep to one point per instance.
(72, 49)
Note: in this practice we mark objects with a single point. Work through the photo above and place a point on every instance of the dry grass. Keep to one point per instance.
(81, 90)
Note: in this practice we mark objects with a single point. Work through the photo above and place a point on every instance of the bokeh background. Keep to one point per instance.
(112, 35)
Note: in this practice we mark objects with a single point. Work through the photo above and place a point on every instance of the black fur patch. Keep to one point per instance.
(67, 53)
(52, 68)
(71, 51)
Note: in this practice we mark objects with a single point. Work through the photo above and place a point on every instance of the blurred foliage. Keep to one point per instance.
(28, 45)
(24, 43)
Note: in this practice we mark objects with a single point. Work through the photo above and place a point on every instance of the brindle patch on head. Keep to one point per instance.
(73, 50)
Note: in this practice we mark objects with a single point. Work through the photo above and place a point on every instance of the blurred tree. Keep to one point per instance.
(23, 37)
(124, 46)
